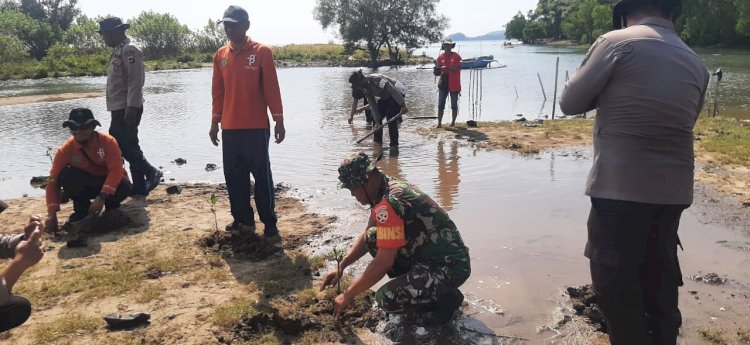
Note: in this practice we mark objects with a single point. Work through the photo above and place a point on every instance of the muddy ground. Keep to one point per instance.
(170, 261)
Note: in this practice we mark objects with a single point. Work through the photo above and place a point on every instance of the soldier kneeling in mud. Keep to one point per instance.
(412, 239)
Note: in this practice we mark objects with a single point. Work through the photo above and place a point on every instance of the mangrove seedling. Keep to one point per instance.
(213, 201)
(338, 255)
(50, 154)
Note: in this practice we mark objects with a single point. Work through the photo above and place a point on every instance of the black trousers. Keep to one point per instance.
(14, 313)
(245, 152)
(81, 187)
(127, 139)
(388, 108)
(635, 271)
(368, 112)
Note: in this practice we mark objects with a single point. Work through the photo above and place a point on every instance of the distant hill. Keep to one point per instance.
(490, 36)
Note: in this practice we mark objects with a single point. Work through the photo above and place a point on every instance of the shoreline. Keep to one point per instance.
(16, 100)
(724, 186)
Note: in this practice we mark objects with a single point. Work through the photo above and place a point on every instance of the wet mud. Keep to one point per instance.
(247, 246)
(290, 317)
(583, 301)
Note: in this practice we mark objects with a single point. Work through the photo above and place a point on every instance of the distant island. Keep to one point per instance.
(490, 36)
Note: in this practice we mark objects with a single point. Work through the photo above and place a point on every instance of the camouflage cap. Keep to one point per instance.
(353, 170)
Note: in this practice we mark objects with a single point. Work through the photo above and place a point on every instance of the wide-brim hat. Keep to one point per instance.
(112, 24)
(80, 117)
(448, 42)
(622, 9)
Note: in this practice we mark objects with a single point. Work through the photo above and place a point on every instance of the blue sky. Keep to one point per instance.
(291, 21)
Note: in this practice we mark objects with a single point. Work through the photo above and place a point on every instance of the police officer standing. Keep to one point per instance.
(125, 78)
(648, 88)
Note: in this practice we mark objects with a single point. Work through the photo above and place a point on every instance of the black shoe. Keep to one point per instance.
(127, 321)
(78, 242)
(236, 227)
(76, 216)
(153, 181)
(446, 305)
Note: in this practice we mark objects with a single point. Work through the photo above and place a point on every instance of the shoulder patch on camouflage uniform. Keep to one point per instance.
(130, 55)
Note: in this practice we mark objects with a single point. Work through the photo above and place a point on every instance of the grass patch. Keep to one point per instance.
(743, 336)
(317, 262)
(266, 339)
(232, 312)
(285, 276)
(715, 336)
(215, 260)
(92, 283)
(66, 326)
(150, 292)
(726, 137)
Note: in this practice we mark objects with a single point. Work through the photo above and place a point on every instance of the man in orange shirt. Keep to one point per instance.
(244, 87)
(87, 166)
(449, 63)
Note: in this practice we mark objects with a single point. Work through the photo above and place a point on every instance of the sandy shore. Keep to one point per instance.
(48, 98)
(158, 264)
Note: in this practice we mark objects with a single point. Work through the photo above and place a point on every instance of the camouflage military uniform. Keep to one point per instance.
(434, 260)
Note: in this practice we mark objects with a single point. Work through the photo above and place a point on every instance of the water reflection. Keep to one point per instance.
(448, 176)
(388, 164)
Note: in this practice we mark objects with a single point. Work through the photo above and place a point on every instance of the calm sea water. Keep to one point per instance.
(523, 217)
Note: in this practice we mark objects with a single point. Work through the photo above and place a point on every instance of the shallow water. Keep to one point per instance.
(523, 217)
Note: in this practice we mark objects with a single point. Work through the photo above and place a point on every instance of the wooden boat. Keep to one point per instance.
(477, 62)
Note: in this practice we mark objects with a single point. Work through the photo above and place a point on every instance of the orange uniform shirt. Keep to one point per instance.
(244, 86)
(391, 231)
(102, 158)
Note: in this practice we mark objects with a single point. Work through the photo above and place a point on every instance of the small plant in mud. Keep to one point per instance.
(50, 154)
(212, 201)
(338, 255)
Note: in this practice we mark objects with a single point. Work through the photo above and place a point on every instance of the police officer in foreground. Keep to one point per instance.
(125, 78)
(412, 239)
(648, 88)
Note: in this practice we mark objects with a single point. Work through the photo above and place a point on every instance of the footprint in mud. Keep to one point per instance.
(241, 246)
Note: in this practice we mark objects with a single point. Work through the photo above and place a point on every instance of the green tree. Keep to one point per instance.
(587, 21)
(378, 23)
(36, 35)
(160, 35)
(418, 25)
(549, 13)
(710, 22)
(514, 28)
(11, 49)
(83, 36)
(208, 39)
(533, 32)
(743, 18)
(58, 13)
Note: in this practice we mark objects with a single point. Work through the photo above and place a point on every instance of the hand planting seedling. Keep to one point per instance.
(338, 255)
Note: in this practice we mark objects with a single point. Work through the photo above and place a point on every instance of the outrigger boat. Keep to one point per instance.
(478, 62)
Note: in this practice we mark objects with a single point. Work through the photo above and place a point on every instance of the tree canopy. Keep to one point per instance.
(376, 23)
(159, 34)
(703, 22)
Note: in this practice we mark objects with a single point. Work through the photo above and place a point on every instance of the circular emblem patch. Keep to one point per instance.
(381, 214)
